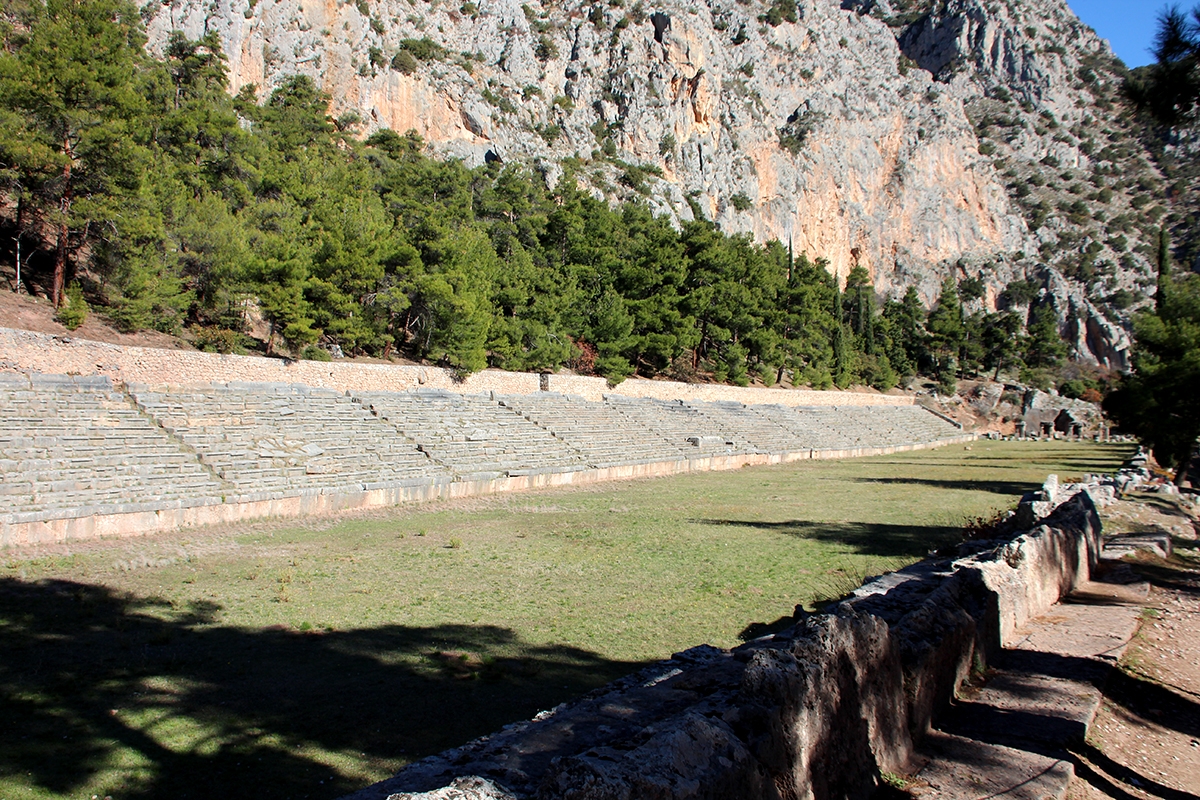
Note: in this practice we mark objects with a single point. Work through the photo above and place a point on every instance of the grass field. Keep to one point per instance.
(307, 660)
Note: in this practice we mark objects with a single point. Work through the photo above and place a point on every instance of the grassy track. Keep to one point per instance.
(284, 660)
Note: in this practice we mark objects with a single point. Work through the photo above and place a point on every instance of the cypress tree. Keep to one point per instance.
(1164, 267)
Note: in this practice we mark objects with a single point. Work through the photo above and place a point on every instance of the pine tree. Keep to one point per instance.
(71, 127)
(947, 333)
(1044, 347)
(1159, 401)
(1169, 89)
(1164, 266)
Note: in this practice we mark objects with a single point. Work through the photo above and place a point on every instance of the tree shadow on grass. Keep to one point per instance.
(1100, 458)
(868, 538)
(175, 704)
(1012, 489)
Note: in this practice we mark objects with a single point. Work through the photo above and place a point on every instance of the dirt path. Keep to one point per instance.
(1145, 742)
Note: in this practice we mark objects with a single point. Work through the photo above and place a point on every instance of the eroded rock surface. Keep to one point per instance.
(906, 143)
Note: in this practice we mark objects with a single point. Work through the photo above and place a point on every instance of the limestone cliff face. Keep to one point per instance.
(1043, 93)
(852, 132)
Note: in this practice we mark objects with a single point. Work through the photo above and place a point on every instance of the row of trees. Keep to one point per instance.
(180, 205)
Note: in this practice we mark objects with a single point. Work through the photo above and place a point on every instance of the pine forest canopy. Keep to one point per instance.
(174, 204)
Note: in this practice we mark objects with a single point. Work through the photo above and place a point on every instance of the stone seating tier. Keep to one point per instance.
(473, 434)
(81, 443)
(600, 431)
(272, 438)
(681, 424)
(74, 442)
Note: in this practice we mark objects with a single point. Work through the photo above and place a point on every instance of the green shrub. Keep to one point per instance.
(413, 50)
(404, 62)
(499, 101)
(632, 175)
(75, 310)
(314, 353)
(546, 50)
(1075, 388)
(1121, 299)
(795, 131)
(780, 11)
(741, 202)
(217, 340)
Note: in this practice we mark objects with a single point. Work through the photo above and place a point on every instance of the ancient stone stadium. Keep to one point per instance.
(835, 704)
(576, 400)
(85, 457)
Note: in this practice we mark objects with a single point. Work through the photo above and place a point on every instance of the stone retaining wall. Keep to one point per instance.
(817, 712)
(26, 351)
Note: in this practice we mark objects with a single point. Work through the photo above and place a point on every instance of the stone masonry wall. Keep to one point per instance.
(27, 351)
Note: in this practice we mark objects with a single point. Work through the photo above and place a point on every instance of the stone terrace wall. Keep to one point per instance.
(26, 351)
(817, 712)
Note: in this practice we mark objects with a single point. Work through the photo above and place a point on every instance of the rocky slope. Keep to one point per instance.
(977, 138)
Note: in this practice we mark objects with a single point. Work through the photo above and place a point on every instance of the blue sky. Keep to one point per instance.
(1128, 25)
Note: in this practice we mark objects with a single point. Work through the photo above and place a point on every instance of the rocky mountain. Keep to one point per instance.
(917, 138)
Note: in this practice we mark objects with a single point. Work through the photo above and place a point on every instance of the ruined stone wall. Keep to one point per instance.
(816, 712)
(26, 351)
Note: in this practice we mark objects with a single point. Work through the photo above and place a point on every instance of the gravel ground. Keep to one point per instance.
(1145, 742)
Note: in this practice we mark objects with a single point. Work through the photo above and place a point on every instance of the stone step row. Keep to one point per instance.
(65, 437)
